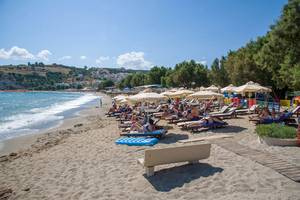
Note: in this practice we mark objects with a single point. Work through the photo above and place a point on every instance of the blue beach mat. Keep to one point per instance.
(137, 141)
(157, 133)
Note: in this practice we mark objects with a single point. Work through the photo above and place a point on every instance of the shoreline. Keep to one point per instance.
(24, 142)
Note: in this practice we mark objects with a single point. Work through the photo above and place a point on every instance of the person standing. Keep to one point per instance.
(100, 102)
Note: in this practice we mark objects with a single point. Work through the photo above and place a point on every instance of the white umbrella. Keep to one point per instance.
(212, 88)
(230, 88)
(146, 97)
(205, 95)
(251, 87)
(173, 90)
(119, 98)
(202, 88)
(167, 93)
(181, 93)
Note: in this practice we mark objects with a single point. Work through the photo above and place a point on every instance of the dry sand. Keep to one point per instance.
(84, 163)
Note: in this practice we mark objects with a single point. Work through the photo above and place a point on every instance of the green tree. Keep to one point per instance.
(280, 56)
(105, 83)
(155, 74)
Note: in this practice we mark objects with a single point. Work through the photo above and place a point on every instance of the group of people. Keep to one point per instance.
(141, 121)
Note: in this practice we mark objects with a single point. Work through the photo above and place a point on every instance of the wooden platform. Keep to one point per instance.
(212, 137)
(266, 159)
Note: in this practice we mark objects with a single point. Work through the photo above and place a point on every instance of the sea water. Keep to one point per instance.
(24, 113)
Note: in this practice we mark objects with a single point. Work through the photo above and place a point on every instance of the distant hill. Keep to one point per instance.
(38, 76)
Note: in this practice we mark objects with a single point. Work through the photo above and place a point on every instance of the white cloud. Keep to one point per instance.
(83, 57)
(44, 55)
(4, 54)
(16, 53)
(65, 58)
(101, 59)
(133, 60)
(203, 62)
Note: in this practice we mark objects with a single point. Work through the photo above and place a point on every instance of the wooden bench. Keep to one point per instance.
(186, 153)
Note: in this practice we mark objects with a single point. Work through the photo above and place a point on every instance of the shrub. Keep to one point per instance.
(276, 131)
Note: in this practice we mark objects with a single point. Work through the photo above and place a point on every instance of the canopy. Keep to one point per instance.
(202, 88)
(146, 90)
(251, 87)
(173, 90)
(212, 88)
(167, 93)
(119, 98)
(230, 88)
(205, 95)
(181, 93)
(146, 97)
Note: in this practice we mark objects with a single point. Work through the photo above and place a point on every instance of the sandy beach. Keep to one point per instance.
(79, 160)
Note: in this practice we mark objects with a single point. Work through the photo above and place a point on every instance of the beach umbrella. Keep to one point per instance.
(123, 101)
(146, 97)
(167, 93)
(230, 89)
(205, 95)
(202, 88)
(119, 98)
(251, 87)
(173, 90)
(212, 88)
(147, 90)
(181, 93)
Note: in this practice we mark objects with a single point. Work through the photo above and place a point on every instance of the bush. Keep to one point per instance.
(276, 131)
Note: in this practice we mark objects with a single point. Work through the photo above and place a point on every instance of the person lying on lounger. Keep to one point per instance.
(204, 122)
(264, 115)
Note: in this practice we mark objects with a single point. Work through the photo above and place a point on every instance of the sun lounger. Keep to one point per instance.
(286, 117)
(185, 123)
(186, 153)
(223, 110)
(207, 126)
(230, 114)
(251, 110)
(157, 134)
(128, 124)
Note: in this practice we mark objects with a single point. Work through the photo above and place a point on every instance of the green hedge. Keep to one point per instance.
(276, 131)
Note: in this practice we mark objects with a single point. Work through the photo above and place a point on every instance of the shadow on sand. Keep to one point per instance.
(173, 138)
(229, 129)
(168, 179)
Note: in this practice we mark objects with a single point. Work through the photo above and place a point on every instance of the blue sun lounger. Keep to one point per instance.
(157, 133)
(137, 141)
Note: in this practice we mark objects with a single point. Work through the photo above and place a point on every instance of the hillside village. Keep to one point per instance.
(38, 76)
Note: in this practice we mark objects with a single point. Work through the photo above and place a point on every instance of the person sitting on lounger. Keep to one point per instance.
(135, 124)
(194, 116)
(149, 126)
(264, 115)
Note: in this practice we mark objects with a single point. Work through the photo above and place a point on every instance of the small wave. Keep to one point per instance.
(42, 115)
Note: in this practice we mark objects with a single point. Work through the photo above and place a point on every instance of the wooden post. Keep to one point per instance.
(149, 171)
(193, 162)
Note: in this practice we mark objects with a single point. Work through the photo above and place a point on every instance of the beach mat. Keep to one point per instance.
(137, 141)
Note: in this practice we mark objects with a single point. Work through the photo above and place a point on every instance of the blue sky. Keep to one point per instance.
(129, 33)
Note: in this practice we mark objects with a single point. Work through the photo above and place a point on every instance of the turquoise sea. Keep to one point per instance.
(24, 113)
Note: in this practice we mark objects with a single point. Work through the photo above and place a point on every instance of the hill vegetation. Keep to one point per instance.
(38, 76)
